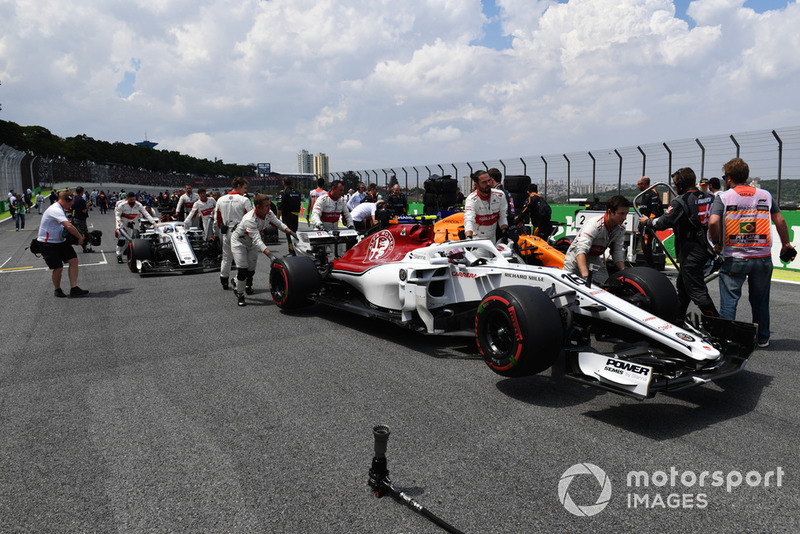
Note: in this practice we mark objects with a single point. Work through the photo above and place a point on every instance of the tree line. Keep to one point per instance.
(41, 142)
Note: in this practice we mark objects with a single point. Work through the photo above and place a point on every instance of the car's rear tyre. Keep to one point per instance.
(518, 330)
(138, 249)
(291, 280)
(648, 289)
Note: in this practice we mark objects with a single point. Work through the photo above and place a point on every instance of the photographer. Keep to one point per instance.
(53, 230)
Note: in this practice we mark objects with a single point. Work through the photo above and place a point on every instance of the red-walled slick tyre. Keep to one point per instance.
(518, 330)
(291, 280)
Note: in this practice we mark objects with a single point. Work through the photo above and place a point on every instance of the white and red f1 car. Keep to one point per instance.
(172, 247)
(624, 336)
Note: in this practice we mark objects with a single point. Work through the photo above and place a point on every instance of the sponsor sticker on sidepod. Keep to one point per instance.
(631, 376)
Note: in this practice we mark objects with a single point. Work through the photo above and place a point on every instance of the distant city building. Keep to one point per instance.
(305, 162)
(321, 165)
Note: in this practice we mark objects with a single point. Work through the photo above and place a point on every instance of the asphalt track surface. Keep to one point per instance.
(157, 405)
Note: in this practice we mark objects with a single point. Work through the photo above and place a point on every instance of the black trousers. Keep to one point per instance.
(691, 286)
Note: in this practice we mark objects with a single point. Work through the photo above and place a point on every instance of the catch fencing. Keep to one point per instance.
(771, 154)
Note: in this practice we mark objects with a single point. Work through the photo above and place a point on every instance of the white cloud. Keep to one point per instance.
(350, 144)
(376, 83)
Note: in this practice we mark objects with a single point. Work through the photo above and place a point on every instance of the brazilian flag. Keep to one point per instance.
(747, 227)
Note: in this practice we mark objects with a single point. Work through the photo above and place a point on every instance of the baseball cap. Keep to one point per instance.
(703, 180)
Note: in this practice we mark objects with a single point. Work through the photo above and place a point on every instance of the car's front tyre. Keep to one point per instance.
(138, 250)
(291, 280)
(648, 289)
(518, 331)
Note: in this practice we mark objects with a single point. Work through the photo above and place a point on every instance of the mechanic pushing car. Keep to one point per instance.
(229, 211)
(328, 209)
(185, 203)
(597, 235)
(485, 209)
(246, 243)
(127, 212)
(205, 208)
(688, 215)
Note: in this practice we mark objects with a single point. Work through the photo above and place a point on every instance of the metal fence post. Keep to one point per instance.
(644, 161)
(780, 164)
(545, 177)
(669, 164)
(702, 159)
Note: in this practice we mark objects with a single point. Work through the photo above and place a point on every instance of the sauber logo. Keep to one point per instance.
(380, 246)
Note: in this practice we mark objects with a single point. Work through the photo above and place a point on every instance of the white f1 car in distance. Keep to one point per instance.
(624, 336)
(171, 247)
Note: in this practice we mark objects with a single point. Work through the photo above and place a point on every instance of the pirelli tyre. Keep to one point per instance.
(518, 331)
(138, 250)
(648, 289)
(291, 280)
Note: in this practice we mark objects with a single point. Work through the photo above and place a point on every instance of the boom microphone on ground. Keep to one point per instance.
(381, 484)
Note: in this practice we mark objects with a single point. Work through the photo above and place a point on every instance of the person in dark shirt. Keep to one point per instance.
(289, 204)
(688, 216)
(396, 202)
(80, 212)
(649, 206)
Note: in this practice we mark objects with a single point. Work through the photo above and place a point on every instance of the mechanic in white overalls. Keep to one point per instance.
(597, 235)
(327, 211)
(228, 212)
(247, 245)
(185, 202)
(485, 209)
(205, 209)
(126, 212)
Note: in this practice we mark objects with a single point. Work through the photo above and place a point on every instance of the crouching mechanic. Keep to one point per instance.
(485, 210)
(596, 235)
(127, 212)
(246, 244)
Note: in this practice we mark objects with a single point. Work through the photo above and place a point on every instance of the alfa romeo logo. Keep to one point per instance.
(380, 246)
(584, 469)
